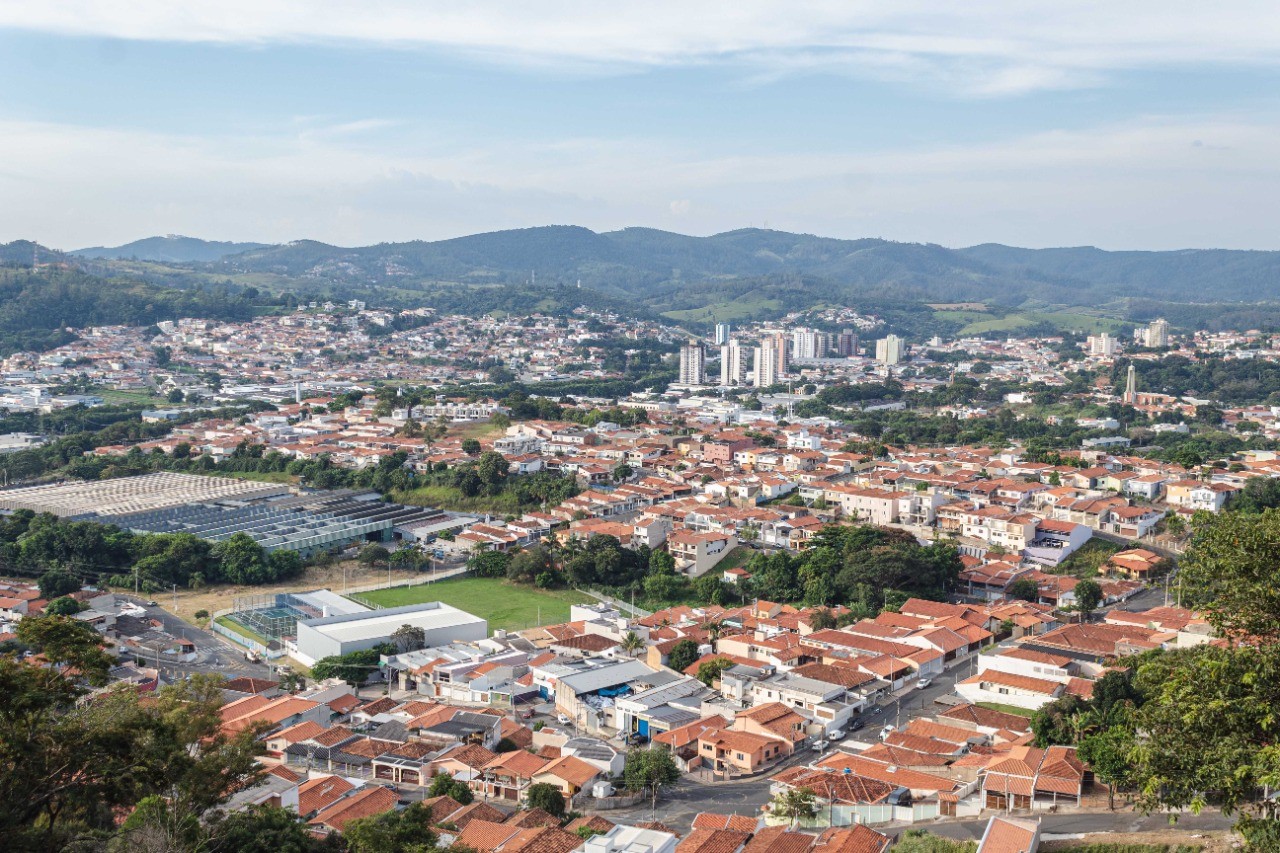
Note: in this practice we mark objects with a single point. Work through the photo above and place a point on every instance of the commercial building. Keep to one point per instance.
(351, 632)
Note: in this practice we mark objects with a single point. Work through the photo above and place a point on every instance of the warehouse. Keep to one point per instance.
(216, 508)
(350, 632)
(97, 499)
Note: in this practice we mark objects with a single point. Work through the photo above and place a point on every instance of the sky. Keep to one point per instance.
(1134, 125)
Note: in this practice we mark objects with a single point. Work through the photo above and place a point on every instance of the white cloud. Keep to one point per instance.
(1149, 184)
(988, 48)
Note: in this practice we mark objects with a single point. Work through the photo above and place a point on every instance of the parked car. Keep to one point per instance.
(836, 735)
(637, 739)
(887, 730)
(855, 725)
(153, 604)
(819, 745)
(923, 683)
(563, 719)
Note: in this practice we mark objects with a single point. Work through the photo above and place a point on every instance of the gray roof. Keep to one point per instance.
(609, 675)
(589, 747)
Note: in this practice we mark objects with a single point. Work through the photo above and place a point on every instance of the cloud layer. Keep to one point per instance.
(987, 48)
(81, 185)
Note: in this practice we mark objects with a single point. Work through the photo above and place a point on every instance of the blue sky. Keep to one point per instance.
(1156, 125)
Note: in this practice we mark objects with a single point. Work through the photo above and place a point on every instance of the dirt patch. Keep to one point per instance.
(1210, 842)
(222, 596)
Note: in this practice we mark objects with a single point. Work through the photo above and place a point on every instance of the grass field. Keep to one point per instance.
(110, 396)
(722, 312)
(505, 605)
(258, 476)
(1006, 709)
(237, 628)
(984, 322)
(448, 497)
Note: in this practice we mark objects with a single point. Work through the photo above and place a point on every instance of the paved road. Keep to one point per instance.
(215, 653)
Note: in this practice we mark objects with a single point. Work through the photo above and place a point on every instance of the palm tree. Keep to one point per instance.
(632, 643)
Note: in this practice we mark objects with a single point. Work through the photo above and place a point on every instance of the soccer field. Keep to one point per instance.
(505, 605)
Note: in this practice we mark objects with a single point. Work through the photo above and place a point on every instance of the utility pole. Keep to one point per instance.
(175, 598)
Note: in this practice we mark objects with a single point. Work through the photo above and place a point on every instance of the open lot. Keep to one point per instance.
(505, 605)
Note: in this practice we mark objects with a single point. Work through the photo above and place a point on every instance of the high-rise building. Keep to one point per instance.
(693, 364)
(806, 343)
(722, 334)
(889, 350)
(1158, 333)
(1131, 386)
(784, 358)
(765, 371)
(733, 357)
(1102, 344)
(847, 343)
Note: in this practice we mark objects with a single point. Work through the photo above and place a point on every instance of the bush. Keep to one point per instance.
(201, 614)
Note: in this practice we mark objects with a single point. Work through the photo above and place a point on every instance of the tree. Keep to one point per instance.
(404, 831)
(373, 554)
(1024, 589)
(682, 655)
(68, 768)
(1055, 723)
(709, 672)
(632, 643)
(794, 804)
(650, 769)
(493, 469)
(545, 796)
(444, 785)
(1109, 753)
(355, 668)
(65, 642)
(1208, 726)
(56, 583)
(1232, 569)
(409, 638)
(622, 473)
(264, 829)
(489, 564)
(241, 559)
(1088, 596)
(822, 619)
(471, 447)
(65, 606)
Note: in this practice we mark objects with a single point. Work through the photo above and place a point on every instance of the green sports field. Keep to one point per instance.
(505, 605)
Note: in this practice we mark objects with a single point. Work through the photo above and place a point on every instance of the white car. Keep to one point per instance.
(887, 730)
(819, 745)
(836, 735)
(923, 683)
(563, 719)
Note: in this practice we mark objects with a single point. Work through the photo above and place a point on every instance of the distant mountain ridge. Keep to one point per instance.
(638, 262)
(171, 249)
(669, 271)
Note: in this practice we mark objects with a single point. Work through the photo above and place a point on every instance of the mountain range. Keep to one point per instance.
(643, 263)
(171, 249)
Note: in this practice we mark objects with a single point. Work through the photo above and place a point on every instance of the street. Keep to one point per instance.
(216, 655)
